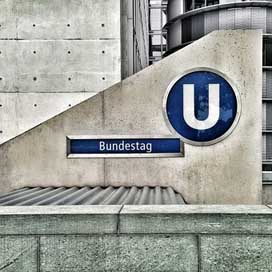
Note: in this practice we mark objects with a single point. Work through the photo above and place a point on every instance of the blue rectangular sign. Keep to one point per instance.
(124, 147)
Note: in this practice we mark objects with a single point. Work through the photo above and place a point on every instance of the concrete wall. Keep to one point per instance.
(136, 238)
(55, 54)
(227, 172)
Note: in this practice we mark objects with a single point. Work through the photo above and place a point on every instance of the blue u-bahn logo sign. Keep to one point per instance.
(202, 107)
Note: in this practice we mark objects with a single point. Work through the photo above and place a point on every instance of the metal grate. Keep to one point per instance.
(92, 196)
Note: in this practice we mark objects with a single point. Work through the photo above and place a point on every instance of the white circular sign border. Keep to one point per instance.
(235, 122)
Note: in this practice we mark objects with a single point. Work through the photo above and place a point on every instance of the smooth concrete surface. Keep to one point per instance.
(54, 54)
(21, 111)
(64, 48)
(81, 19)
(228, 172)
(221, 247)
(49, 58)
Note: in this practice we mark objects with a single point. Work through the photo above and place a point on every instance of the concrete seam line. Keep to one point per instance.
(118, 220)
(38, 254)
(268, 207)
(198, 244)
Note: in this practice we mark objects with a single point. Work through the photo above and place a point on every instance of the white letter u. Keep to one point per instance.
(189, 107)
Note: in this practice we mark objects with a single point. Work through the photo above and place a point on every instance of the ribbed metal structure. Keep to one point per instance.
(190, 25)
(92, 196)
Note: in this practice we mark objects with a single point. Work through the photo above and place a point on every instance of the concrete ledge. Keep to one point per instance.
(136, 238)
(196, 219)
(43, 220)
(59, 220)
(61, 210)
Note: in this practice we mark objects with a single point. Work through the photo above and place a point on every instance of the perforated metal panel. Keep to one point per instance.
(211, 21)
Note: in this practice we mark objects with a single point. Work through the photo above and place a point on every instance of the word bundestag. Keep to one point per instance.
(122, 146)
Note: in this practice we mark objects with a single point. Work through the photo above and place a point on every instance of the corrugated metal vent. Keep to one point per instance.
(92, 196)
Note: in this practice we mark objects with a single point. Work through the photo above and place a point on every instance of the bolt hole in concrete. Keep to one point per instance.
(69, 105)
(103, 78)
(35, 105)
(1, 78)
(69, 78)
(34, 52)
(1, 131)
(103, 52)
(33, 25)
(1, 105)
(34, 78)
(69, 52)
(102, 25)
(68, 25)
